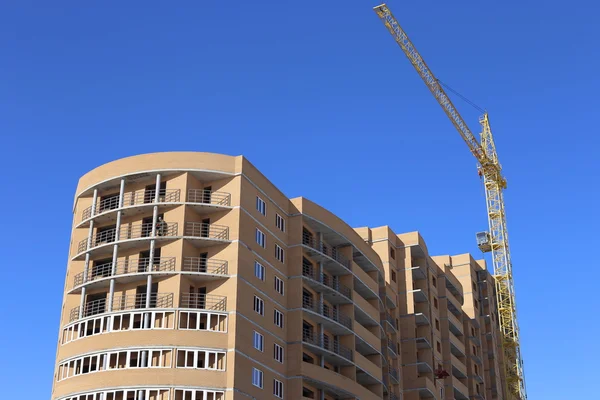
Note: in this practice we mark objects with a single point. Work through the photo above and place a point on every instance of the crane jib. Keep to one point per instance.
(432, 83)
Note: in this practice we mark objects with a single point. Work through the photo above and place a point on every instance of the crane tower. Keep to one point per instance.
(496, 240)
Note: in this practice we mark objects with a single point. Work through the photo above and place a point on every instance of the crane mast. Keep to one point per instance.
(496, 240)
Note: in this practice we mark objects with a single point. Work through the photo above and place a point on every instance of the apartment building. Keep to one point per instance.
(192, 277)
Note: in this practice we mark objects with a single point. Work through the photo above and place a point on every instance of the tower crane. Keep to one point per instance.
(496, 240)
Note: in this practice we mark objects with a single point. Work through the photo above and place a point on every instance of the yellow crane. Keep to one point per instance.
(496, 240)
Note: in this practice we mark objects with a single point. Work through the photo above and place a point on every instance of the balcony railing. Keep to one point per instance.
(128, 232)
(323, 248)
(202, 301)
(203, 196)
(393, 396)
(204, 265)
(392, 349)
(394, 374)
(122, 303)
(325, 342)
(132, 199)
(210, 231)
(326, 311)
(390, 320)
(122, 267)
(334, 284)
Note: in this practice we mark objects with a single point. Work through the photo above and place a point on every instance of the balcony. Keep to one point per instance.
(457, 347)
(420, 342)
(421, 319)
(334, 352)
(129, 237)
(424, 386)
(128, 270)
(459, 370)
(202, 234)
(122, 303)
(419, 295)
(205, 201)
(200, 301)
(334, 320)
(133, 203)
(460, 390)
(395, 375)
(418, 272)
(390, 320)
(331, 288)
(455, 325)
(203, 269)
(392, 350)
(320, 251)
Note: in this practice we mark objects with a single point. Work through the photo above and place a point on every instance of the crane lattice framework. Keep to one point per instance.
(496, 240)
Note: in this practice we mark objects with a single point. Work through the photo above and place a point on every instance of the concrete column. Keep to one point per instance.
(152, 250)
(111, 293)
(87, 254)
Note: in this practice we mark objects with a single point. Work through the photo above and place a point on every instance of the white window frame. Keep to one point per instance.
(278, 389)
(261, 238)
(279, 253)
(278, 318)
(261, 206)
(259, 305)
(278, 353)
(257, 377)
(279, 285)
(259, 271)
(279, 222)
(258, 341)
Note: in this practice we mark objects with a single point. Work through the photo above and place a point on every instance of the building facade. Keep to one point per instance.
(192, 277)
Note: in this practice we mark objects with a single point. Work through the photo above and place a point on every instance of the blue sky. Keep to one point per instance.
(319, 97)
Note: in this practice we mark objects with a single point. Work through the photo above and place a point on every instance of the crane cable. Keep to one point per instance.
(472, 104)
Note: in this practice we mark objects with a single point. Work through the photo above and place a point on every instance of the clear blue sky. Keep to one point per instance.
(318, 96)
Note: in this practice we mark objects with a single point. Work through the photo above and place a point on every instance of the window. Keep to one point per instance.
(433, 281)
(439, 347)
(261, 239)
(201, 359)
(278, 318)
(259, 305)
(392, 253)
(476, 303)
(278, 353)
(435, 302)
(278, 388)
(394, 276)
(259, 270)
(280, 222)
(437, 324)
(279, 253)
(261, 206)
(474, 286)
(258, 341)
(257, 377)
(278, 285)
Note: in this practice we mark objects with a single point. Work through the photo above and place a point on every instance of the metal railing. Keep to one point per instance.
(390, 320)
(391, 348)
(204, 265)
(128, 232)
(201, 301)
(334, 284)
(325, 342)
(122, 267)
(132, 199)
(323, 248)
(326, 311)
(393, 396)
(210, 231)
(203, 196)
(122, 303)
(394, 374)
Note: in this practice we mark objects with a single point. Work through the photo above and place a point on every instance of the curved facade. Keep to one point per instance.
(192, 277)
